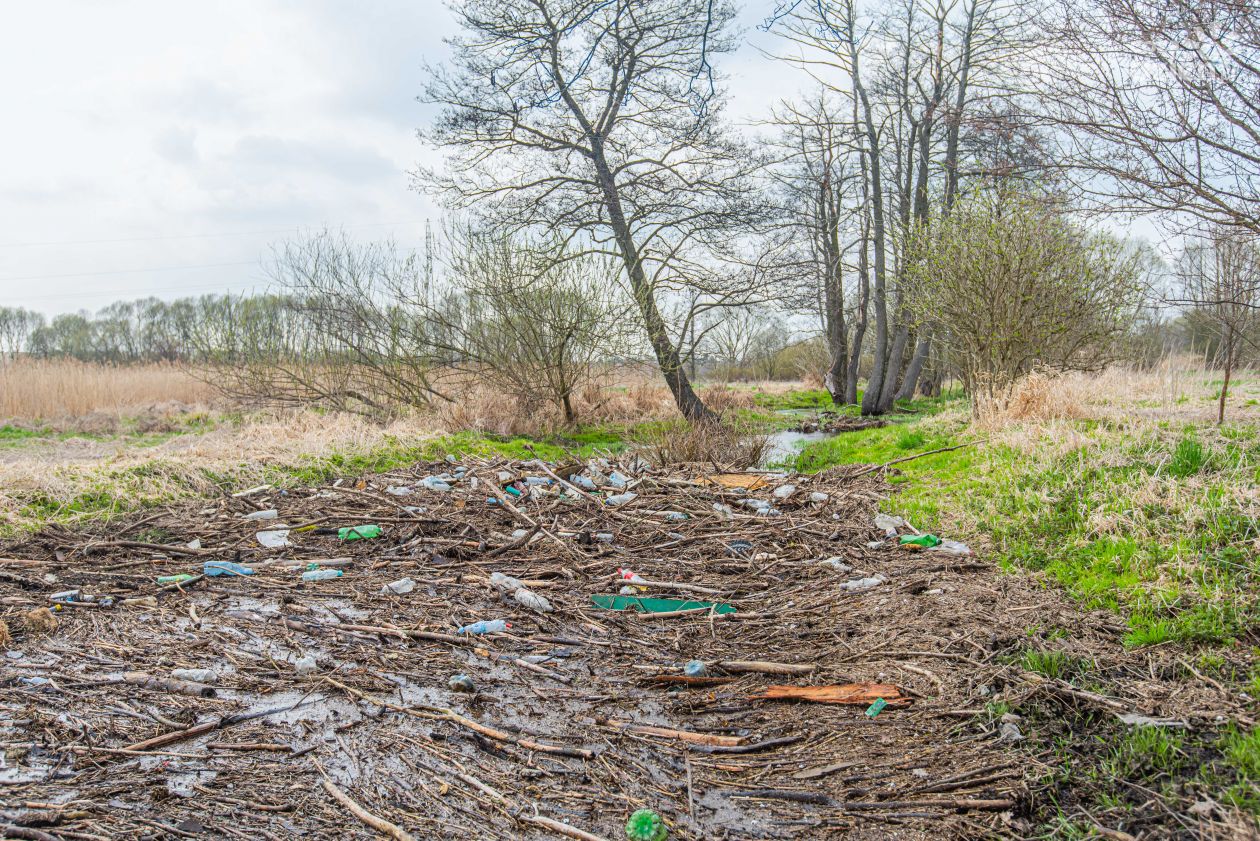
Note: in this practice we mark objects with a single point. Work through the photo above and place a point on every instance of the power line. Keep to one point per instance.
(287, 230)
(124, 292)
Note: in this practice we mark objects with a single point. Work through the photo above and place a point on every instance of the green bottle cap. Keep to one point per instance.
(646, 825)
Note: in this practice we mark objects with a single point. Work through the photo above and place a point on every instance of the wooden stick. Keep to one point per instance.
(765, 667)
(379, 824)
(562, 828)
(711, 739)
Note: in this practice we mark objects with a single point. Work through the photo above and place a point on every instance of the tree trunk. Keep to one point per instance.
(916, 368)
(667, 357)
(1229, 369)
(837, 330)
(859, 328)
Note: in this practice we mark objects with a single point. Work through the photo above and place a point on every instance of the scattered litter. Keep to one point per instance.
(696, 668)
(305, 665)
(194, 544)
(195, 675)
(723, 509)
(269, 514)
(951, 547)
(321, 574)
(435, 483)
(486, 626)
(876, 708)
(274, 539)
(889, 524)
(676, 516)
(739, 548)
(859, 584)
(518, 591)
(819, 496)
(618, 479)
(836, 563)
(646, 825)
(620, 499)
(922, 541)
(399, 490)
(1009, 732)
(216, 568)
(357, 532)
(175, 579)
(401, 587)
(1138, 720)
(646, 604)
(461, 683)
(784, 491)
(845, 693)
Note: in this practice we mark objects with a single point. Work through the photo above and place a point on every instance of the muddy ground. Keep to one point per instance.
(330, 709)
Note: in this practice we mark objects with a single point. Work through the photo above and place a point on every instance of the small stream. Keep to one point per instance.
(785, 445)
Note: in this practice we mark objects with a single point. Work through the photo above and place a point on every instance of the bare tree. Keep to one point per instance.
(1219, 275)
(1160, 105)
(598, 120)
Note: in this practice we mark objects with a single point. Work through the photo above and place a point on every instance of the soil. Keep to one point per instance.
(102, 741)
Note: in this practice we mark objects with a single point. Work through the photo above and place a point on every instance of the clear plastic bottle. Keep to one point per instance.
(320, 574)
(486, 626)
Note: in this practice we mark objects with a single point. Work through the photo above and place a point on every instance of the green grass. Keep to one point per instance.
(1056, 665)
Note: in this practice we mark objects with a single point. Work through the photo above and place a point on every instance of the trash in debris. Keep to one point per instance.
(583, 482)
(175, 579)
(1138, 720)
(757, 504)
(461, 683)
(951, 547)
(844, 693)
(620, 499)
(858, 584)
(1009, 732)
(506, 583)
(836, 563)
(618, 479)
(195, 675)
(357, 532)
(818, 496)
(743, 481)
(695, 668)
(739, 548)
(35, 681)
(604, 536)
(215, 568)
(399, 490)
(888, 524)
(321, 574)
(433, 483)
(723, 509)
(274, 539)
(784, 491)
(269, 514)
(923, 541)
(401, 587)
(538, 480)
(486, 626)
(306, 664)
(64, 596)
(529, 599)
(646, 604)
(646, 825)
(627, 575)
(676, 516)
(876, 708)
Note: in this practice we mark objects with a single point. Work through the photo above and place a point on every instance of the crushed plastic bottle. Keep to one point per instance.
(486, 626)
(646, 825)
(859, 584)
(695, 668)
(951, 547)
(435, 483)
(195, 675)
(358, 532)
(529, 599)
(505, 583)
(321, 574)
(676, 516)
(399, 490)
(925, 541)
(274, 538)
(269, 514)
(461, 683)
(818, 496)
(888, 524)
(216, 568)
(604, 536)
(401, 587)
(618, 479)
(784, 491)
(537, 480)
(305, 665)
(723, 509)
(175, 579)
(620, 499)
(836, 563)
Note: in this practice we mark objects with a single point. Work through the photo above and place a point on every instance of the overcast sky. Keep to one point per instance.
(159, 146)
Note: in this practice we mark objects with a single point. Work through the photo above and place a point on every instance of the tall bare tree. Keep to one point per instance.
(598, 120)
(1159, 102)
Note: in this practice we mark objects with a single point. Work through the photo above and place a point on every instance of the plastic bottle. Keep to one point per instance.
(401, 587)
(461, 683)
(175, 579)
(320, 574)
(926, 541)
(676, 516)
(358, 532)
(528, 598)
(583, 482)
(269, 514)
(627, 575)
(214, 568)
(620, 499)
(506, 583)
(695, 668)
(784, 491)
(646, 825)
(818, 496)
(862, 583)
(195, 675)
(486, 626)
(618, 479)
(434, 483)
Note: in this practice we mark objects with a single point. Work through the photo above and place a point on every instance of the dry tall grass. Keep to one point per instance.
(38, 389)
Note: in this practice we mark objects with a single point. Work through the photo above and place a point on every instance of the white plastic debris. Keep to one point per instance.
(192, 544)
(518, 534)
(506, 583)
(195, 675)
(620, 499)
(888, 523)
(784, 491)
(401, 587)
(305, 665)
(858, 584)
(1009, 732)
(951, 547)
(1138, 720)
(398, 490)
(818, 496)
(528, 598)
(274, 538)
(836, 563)
(435, 483)
(269, 514)
(723, 509)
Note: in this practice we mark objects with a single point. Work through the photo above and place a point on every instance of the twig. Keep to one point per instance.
(877, 467)
(379, 824)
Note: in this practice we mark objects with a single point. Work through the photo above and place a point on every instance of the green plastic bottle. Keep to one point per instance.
(927, 541)
(358, 532)
(646, 825)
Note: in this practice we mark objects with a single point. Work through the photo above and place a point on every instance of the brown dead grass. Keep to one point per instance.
(38, 389)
